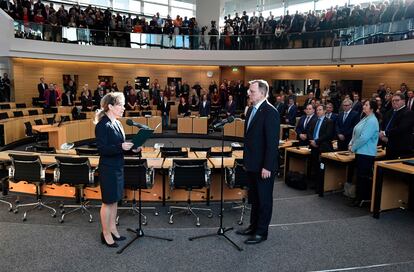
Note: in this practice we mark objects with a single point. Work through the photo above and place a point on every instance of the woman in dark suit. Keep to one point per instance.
(110, 139)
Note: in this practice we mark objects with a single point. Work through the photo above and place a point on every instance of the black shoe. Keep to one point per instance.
(248, 231)
(120, 238)
(114, 244)
(255, 239)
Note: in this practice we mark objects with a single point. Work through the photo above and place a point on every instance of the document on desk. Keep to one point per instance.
(141, 137)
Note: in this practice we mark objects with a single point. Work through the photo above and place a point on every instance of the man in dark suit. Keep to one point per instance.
(280, 107)
(330, 114)
(204, 109)
(164, 107)
(304, 124)
(410, 100)
(345, 124)
(357, 105)
(260, 154)
(230, 106)
(320, 136)
(397, 129)
(291, 112)
(41, 88)
(309, 99)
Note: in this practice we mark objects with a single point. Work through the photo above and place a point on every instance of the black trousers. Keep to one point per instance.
(365, 167)
(261, 197)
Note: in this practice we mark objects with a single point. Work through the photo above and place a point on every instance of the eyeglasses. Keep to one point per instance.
(346, 105)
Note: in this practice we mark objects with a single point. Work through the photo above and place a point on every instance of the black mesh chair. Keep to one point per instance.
(76, 172)
(20, 105)
(189, 175)
(38, 122)
(138, 176)
(17, 113)
(134, 113)
(219, 154)
(44, 149)
(65, 118)
(33, 112)
(174, 154)
(200, 149)
(3, 115)
(29, 168)
(236, 148)
(35, 136)
(170, 148)
(236, 177)
(87, 151)
(5, 106)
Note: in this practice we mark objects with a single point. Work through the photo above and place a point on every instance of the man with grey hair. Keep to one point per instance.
(260, 155)
(345, 124)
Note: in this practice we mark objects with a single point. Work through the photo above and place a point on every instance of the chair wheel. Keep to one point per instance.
(156, 213)
(198, 224)
(61, 220)
(54, 215)
(90, 220)
(24, 219)
(240, 223)
(210, 215)
(144, 223)
(10, 209)
(61, 206)
(62, 211)
(15, 211)
(170, 222)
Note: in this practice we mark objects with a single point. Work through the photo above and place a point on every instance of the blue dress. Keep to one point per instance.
(109, 138)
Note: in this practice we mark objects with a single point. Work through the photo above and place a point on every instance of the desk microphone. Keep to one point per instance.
(131, 123)
(228, 120)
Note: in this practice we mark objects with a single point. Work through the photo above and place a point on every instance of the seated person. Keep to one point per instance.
(131, 100)
(183, 107)
(145, 103)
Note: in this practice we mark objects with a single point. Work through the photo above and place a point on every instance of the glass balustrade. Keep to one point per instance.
(367, 34)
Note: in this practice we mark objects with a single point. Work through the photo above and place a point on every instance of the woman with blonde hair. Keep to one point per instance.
(110, 139)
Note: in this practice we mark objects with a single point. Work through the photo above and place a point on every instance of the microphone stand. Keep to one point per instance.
(221, 232)
(139, 233)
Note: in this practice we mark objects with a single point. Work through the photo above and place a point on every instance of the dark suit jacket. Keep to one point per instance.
(41, 90)
(261, 139)
(291, 114)
(347, 128)
(412, 105)
(163, 108)
(334, 117)
(399, 133)
(204, 111)
(281, 109)
(301, 129)
(326, 131)
(357, 107)
(109, 141)
(231, 109)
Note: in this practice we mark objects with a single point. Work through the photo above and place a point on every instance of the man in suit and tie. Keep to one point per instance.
(280, 107)
(304, 124)
(330, 114)
(41, 88)
(204, 109)
(320, 136)
(410, 100)
(164, 107)
(260, 154)
(230, 106)
(309, 99)
(345, 124)
(397, 129)
(357, 105)
(291, 112)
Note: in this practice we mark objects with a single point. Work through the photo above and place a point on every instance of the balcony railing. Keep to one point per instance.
(399, 30)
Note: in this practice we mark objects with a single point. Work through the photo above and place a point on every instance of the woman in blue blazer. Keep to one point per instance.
(110, 139)
(364, 145)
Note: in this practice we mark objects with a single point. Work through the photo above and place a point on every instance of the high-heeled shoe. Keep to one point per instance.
(114, 244)
(120, 238)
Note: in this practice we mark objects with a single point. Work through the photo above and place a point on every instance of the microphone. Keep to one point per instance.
(228, 120)
(131, 123)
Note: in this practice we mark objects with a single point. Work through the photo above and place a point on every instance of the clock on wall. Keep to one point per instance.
(209, 74)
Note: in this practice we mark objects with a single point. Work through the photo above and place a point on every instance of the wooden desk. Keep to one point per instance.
(230, 129)
(239, 132)
(297, 159)
(391, 185)
(339, 168)
(153, 122)
(57, 135)
(185, 125)
(200, 125)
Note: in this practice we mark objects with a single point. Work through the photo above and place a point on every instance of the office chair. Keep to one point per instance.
(33, 112)
(36, 137)
(138, 176)
(5, 106)
(30, 169)
(3, 115)
(236, 177)
(189, 175)
(20, 105)
(65, 118)
(218, 154)
(76, 172)
(17, 113)
(38, 122)
(174, 154)
(200, 149)
(237, 148)
(44, 149)
(166, 148)
(87, 151)
(134, 113)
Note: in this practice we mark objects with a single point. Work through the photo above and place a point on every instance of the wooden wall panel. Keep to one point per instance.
(26, 74)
